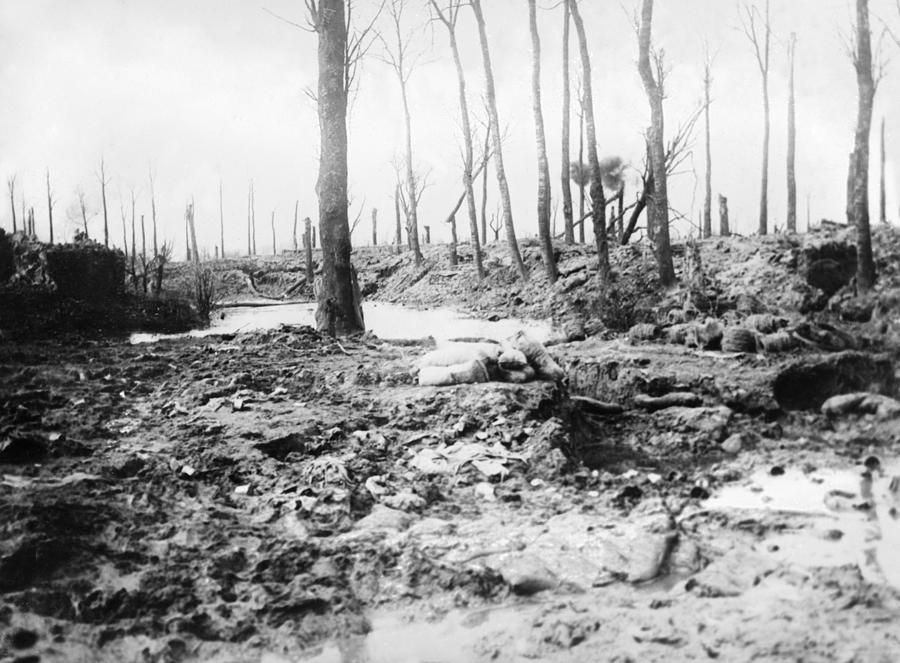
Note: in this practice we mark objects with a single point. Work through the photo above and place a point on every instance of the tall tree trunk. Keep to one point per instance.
(484, 186)
(498, 143)
(565, 176)
(124, 230)
(761, 50)
(133, 246)
(598, 201)
(339, 310)
(659, 202)
(882, 196)
(412, 215)
(253, 213)
(707, 199)
(221, 222)
(144, 274)
(103, 198)
(296, 212)
(374, 226)
(858, 205)
(764, 187)
(398, 240)
(792, 142)
(449, 21)
(580, 164)
(50, 206)
(11, 182)
(249, 226)
(189, 218)
(543, 197)
(454, 240)
(724, 227)
(274, 248)
(307, 241)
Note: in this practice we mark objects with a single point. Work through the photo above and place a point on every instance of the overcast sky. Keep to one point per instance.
(200, 91)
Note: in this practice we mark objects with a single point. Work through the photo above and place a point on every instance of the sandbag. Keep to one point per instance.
(543, 364)
(460, 353)
(463, 373)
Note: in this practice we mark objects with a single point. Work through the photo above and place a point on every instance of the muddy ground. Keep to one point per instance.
(278, 496)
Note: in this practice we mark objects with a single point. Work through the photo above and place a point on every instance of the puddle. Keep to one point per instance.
(454, 639)
(854, 518)
(384, 320)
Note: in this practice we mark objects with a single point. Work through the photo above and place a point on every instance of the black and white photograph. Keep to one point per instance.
(449, 331)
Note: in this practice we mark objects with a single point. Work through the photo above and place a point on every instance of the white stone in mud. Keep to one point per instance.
(385, 519)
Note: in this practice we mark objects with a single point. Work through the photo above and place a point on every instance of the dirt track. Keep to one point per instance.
(275, 496)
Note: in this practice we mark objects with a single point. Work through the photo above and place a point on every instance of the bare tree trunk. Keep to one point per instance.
(659, 202)
(580, 164)
(144, 255)
(103, 183)
(498, 143)
(707, 199)
(296, 212)
(307, 241)
(189, 218)
(597, 198)
(792, 142)
(50, 206)
(724, 228)
(274, 248)
(221, 222)
(253, 213)
(620, 212)
(427, 234)
(454, 255)
(543, 197)
(124, 229)
(82, 203)
(760, 45)
(399, 237)
(133, 247)
(339, 310)
(374, 226)
(858, 204)
(484, 187)
(11, 183)
(249, 224)
(449, 21)
(882, 199)
(566, 116)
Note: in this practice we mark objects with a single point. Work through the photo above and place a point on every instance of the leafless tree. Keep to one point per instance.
(221, 222)
(249, 221)
(308, 246)
(707, 101)
(50, 204)
(858, 177)
(11, 183)
(598, 202)
(566, 117)
(791, 141)
(491, 96)
(83, 210)
(296, 214)
(339, 307)
(449, 17)
(484, 185)
(758, 29)
(400, 55)
(882, 197)
(103, 183)
(659, 201)
(543, 191)
(374, 226)
(274, 247)
(153, 213)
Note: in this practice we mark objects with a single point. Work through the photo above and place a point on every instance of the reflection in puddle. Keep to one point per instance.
(856, 519)
(454, 639)
(384, 320)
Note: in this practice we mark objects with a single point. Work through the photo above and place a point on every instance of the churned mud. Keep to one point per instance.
(275, 495)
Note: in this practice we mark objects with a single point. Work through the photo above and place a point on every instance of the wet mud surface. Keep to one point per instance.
(275, 496)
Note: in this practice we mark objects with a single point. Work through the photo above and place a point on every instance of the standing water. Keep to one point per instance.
(384, 320)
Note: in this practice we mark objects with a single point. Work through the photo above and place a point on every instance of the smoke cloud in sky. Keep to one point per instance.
(203, 91)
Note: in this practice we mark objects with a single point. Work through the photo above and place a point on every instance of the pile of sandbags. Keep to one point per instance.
(519, 359)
